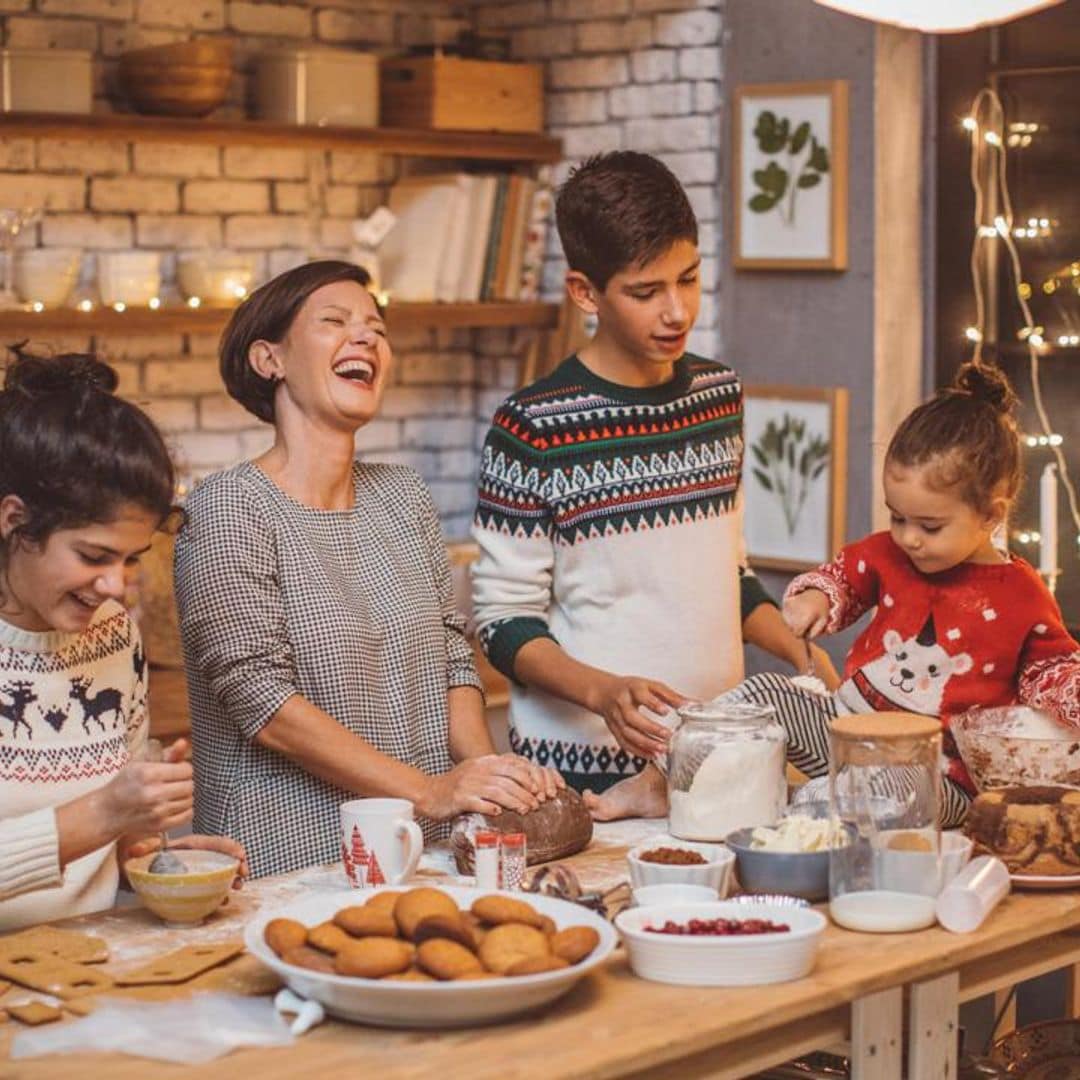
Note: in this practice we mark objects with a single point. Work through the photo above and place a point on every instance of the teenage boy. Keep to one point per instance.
(609, 517)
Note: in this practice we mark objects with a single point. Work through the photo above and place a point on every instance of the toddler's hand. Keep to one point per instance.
(807, 613)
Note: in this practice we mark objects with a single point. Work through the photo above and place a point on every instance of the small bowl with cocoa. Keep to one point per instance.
(664, 860)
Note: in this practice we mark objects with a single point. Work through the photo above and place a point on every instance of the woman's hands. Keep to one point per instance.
(807, 613)
(488, 784)
(619, 700)
(150, 796)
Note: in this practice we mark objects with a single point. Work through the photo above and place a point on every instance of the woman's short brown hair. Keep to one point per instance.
(266, 315)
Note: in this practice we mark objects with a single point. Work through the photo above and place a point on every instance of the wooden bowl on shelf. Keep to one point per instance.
(187, 78)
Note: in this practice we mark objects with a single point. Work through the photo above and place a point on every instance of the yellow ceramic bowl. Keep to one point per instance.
(183, 899)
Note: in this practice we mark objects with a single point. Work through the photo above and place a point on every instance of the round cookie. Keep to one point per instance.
(472, 976)
(454, 928)
(373, 957)
(412, 975)
(419, 904)
(327, 937)
(446, 959)
(574, 943)
(305, 956)
(284, 934)
(537, 965)
(497, 910)
(476, 927)
(384, 901)
(510, 943)
(367, 921)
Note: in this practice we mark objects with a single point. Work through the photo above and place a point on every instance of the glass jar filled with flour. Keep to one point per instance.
(885, 789)
(726, 770)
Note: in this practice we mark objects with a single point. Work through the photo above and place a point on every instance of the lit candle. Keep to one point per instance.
(1048, 524)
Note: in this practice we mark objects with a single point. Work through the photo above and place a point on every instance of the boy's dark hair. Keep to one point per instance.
(266, 315)
(619, 210)
(72, 451)
(967, 433)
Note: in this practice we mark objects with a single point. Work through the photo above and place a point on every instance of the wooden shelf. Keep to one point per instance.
(184, 320)
(483, 145)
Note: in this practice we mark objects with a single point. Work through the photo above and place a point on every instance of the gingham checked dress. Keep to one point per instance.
(352, 609)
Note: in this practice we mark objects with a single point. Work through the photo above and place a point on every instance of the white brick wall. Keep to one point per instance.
(632, 73)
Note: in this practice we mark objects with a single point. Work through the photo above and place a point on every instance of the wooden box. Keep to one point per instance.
(449, 93)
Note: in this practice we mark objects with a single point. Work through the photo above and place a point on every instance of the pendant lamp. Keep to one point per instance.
(938, 16)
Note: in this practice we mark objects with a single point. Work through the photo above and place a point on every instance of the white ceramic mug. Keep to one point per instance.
(380, 841)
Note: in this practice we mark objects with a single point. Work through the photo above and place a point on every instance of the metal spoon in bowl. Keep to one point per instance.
(164, 862)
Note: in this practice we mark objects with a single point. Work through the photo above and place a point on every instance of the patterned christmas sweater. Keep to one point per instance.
(939, 644)
(72, 714)
(609, 519)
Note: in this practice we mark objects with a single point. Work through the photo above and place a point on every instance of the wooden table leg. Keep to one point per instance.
(932, 1028)
(1072, 991)
(1007, 1021)
(876, 1035)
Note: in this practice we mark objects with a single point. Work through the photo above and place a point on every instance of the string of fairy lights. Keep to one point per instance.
(996, 231)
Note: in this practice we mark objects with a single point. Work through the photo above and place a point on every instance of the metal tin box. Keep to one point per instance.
(325, 87)
(45, 80)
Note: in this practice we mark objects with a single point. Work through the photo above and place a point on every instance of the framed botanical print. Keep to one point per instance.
(791, 176)
(794, 474)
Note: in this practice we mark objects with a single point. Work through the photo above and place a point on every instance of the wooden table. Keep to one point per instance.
(613, 1024)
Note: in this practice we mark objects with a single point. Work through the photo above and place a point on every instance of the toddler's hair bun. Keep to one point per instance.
(986, 382)
(73, 373)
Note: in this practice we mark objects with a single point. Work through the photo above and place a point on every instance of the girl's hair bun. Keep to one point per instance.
(74, 373)
(986, 382)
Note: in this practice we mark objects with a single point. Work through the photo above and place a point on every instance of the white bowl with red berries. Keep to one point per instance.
(721, 943)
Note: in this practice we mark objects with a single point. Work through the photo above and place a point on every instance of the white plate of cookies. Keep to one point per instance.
(430, 957)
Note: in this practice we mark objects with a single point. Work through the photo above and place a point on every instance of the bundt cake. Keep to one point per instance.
(1033, 830)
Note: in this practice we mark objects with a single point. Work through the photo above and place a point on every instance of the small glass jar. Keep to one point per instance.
(726, 770)
(885, 790)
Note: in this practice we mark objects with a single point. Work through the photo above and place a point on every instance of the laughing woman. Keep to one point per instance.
(325, 658)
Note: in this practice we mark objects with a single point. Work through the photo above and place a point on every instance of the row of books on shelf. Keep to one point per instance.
(467, 237)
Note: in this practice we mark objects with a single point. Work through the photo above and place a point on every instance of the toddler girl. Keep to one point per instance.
(85, 480)
(957, 622)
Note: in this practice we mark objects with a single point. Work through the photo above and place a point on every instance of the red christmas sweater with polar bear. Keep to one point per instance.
(939, 644)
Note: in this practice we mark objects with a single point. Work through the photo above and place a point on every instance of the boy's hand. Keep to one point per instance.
(619, 700)
(807, 614)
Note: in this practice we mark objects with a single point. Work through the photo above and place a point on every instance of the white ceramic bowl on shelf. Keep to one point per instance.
(46, 275)
(719, 960)
(132, 278)
(429, 1005)
(216, 277)
(714, 872)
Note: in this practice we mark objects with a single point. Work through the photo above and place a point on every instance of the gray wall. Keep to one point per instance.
(813, 328)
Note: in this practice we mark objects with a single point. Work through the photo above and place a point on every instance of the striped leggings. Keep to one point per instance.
(806, 717)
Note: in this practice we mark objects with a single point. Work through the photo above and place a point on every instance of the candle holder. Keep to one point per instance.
(13, 220)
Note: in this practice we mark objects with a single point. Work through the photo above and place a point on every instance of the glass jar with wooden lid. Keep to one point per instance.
(885, 790)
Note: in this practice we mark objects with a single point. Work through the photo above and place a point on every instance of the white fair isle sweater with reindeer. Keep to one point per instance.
(977, 635)
(72, 714)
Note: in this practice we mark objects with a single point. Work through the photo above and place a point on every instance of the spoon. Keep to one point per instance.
(164, 862)
(809, 680)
